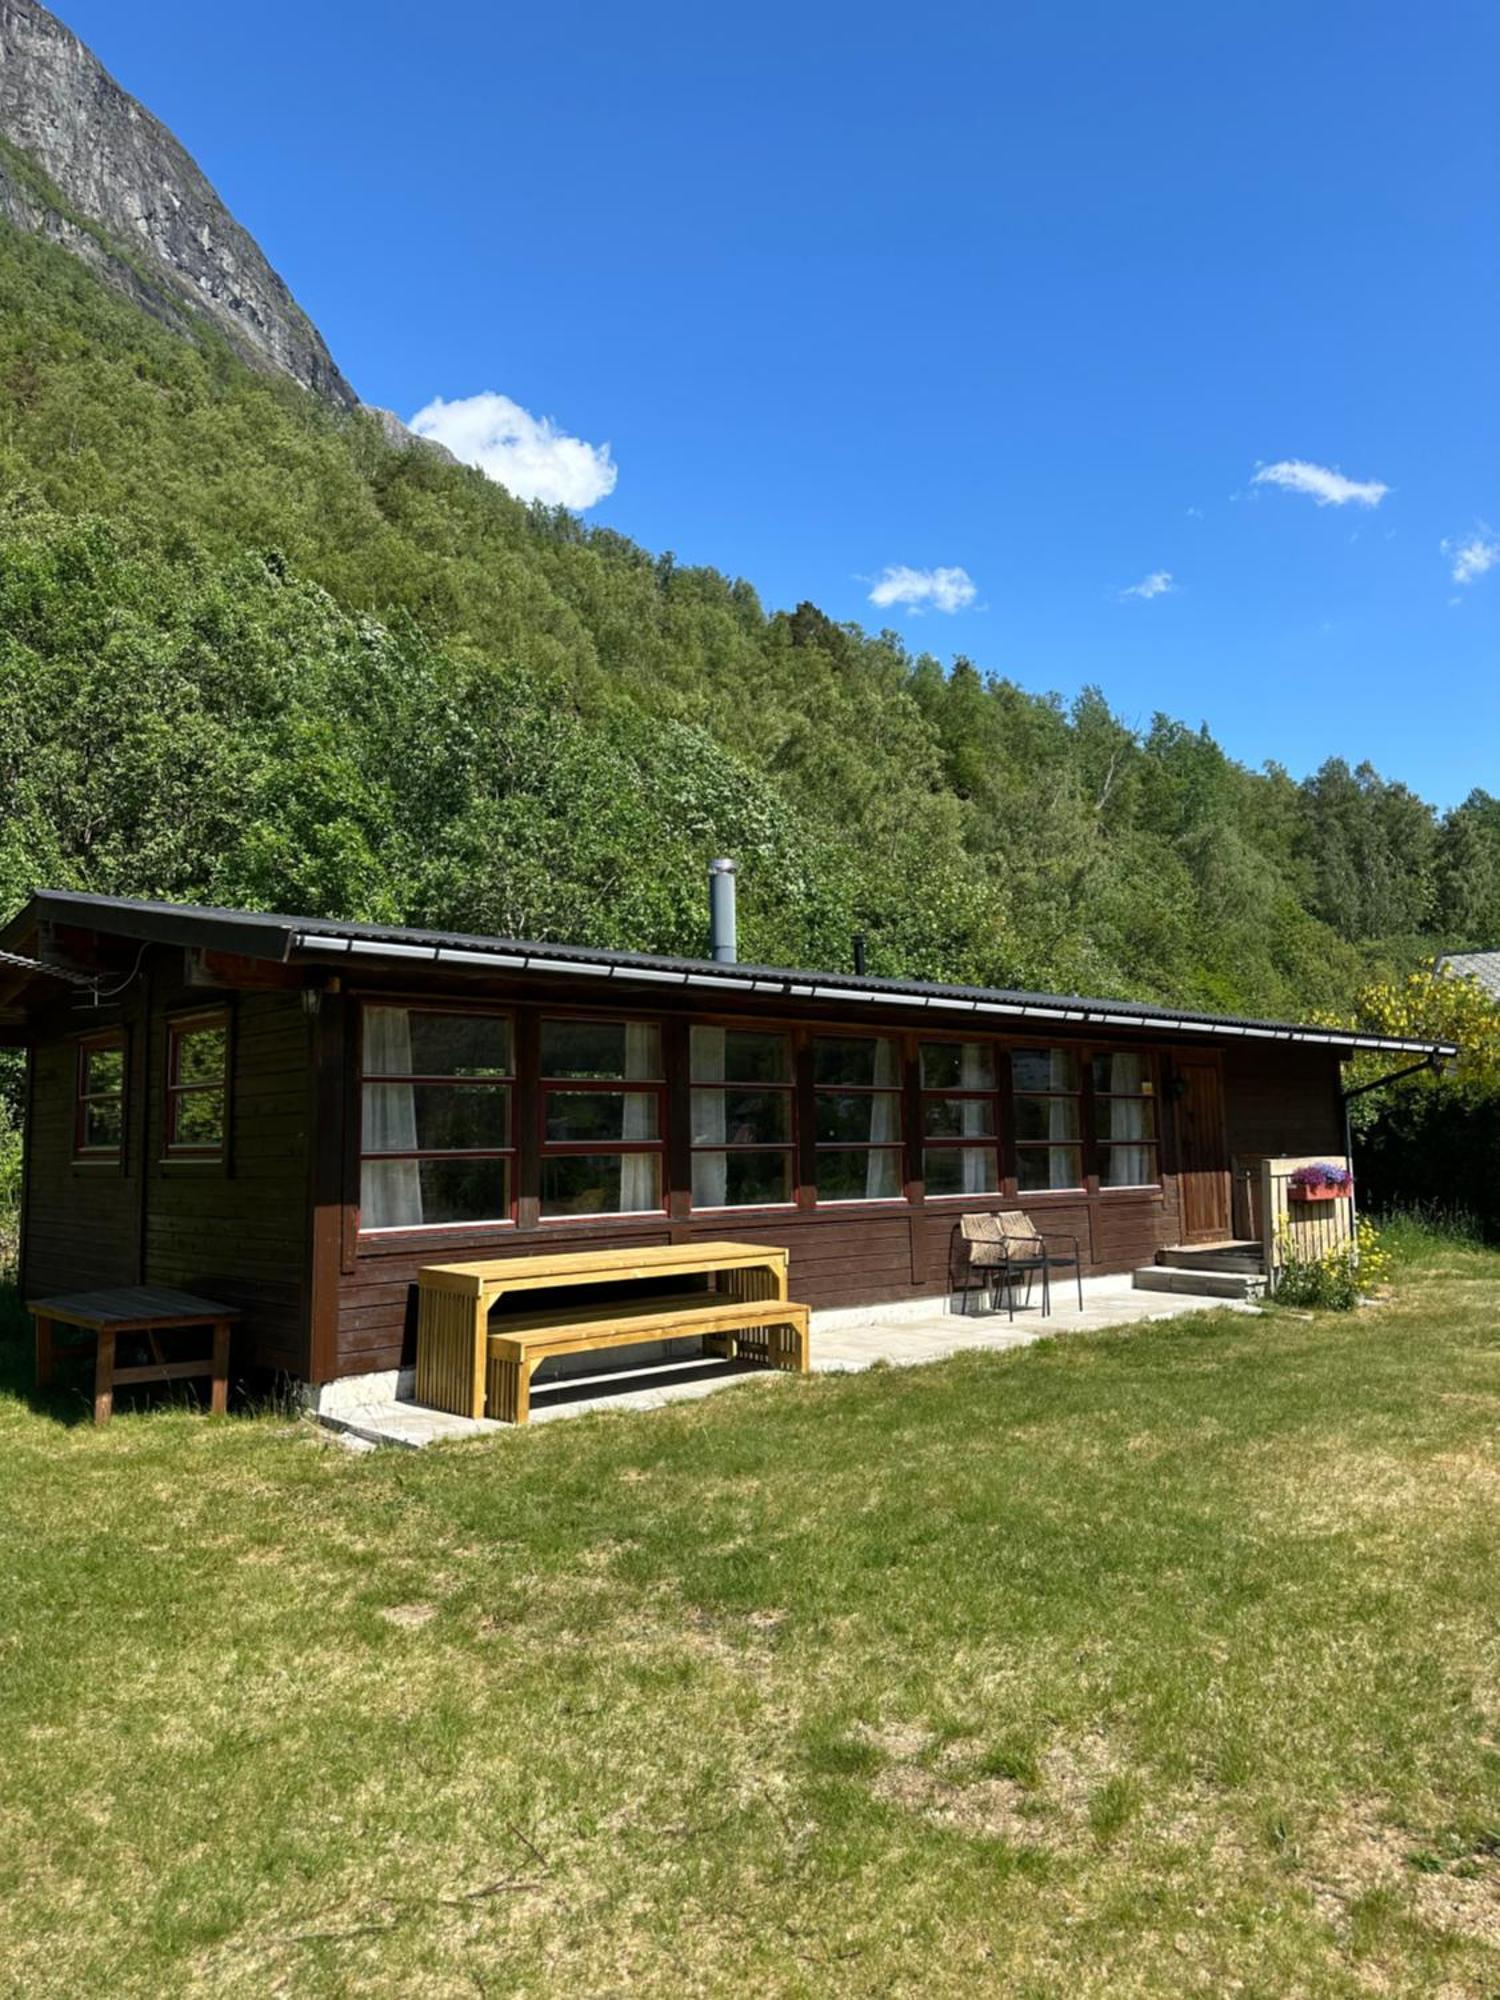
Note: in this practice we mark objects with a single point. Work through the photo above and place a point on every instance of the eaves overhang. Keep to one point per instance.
(321, 942)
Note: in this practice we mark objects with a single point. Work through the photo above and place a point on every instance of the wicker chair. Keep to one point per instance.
(1004, 1248)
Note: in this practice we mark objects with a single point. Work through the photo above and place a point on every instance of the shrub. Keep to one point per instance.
(1335, 1280)
(1419, 1230)
(10, 1193)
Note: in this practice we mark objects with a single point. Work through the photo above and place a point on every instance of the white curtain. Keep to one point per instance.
(974, 1074)
(710, 1170)
(1062, 1122)
(1129, 1119)
(639, 1186)
(390, 1190)
(885, 1123)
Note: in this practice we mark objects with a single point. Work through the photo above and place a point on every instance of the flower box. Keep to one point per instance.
(1323, 1180)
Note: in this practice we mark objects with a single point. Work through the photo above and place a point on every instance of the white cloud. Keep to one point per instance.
(1321, 483)
(527, 454)
(1158, 584)
(924, 589)
(1472, 558)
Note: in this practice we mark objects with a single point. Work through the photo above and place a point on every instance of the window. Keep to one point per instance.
(857, 1107)
(602, 1118)
(960, 1118)
(1049, 1127)
(197, 1086)
(435, 1118)
(742, 1121)
(1125, 1119)
(99, 1122)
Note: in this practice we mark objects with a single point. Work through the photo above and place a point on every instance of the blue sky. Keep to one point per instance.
(1024, 292)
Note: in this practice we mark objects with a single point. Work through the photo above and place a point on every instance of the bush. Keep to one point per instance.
(1417, 1231)
(10, 1194)
(1336, 1280)
(1436, 1135)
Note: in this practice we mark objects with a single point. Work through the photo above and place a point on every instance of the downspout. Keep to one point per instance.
(1433, 1060)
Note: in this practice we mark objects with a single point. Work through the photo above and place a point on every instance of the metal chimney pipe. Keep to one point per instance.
(722, 934)
(859, 954)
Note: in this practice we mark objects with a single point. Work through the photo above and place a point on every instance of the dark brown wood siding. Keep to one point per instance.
(82, 1220)
(234, 1229)
(274, 1228)
(839, 1257)
(1282, 1099)
(842, 1255)
(237, 1229)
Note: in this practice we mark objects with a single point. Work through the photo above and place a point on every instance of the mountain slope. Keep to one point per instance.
(127, 198)
(971, 829)
(597, 719)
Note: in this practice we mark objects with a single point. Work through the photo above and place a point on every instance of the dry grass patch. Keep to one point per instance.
(1359, 1854)
(1050, 1672)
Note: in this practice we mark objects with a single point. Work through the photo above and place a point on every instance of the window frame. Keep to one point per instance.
(900, 1145)
(1151, 1071)
(790, 1146)
(510, 1083)
(996, 1095)
(87, 1045)
(1082, 1054)
(174, 1151)
(551, 1149)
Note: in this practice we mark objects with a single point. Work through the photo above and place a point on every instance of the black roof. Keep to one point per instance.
(322, 940)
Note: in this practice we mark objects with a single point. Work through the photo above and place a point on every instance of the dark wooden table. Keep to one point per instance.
(149, 1309)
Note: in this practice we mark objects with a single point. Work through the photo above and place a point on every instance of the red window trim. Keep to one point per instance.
(105, 1038)
(1082, 1054)
(558, 1149)
(1150, 1095)
(507, 1083)
(991, 1142)
(897, 1090)
(787, 1148)
(179, 1026)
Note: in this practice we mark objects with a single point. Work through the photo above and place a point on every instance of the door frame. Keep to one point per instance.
(1185, 1063)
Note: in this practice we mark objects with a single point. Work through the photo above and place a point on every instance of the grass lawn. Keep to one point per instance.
(1158, 1663)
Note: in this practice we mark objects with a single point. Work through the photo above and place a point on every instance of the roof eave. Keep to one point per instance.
(285, 939)
(319, 947)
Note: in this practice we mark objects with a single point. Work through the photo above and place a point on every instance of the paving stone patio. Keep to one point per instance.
(902, 1336)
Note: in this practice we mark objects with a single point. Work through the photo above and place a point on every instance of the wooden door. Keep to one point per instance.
(1202, 1149)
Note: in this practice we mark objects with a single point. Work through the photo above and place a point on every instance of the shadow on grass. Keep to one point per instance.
(18, 1365)
(71, 1400)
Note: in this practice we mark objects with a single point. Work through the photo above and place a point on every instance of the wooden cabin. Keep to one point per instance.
(292, 1115)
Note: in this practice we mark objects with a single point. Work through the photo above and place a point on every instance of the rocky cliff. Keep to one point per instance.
(86, 165)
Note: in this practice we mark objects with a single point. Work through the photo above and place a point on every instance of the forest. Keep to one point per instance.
(252, 653)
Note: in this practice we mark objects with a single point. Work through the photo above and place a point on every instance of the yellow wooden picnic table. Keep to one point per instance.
(465, 1367)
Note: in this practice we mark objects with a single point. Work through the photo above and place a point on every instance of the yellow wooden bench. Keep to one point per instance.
(466, 1366)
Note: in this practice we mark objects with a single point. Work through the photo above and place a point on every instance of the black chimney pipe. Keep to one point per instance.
(859, 954)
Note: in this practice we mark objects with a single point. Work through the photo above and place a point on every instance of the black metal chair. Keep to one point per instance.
(1004, 1248)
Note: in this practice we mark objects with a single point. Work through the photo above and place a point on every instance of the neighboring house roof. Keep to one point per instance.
(1481, 965)
(317, 940)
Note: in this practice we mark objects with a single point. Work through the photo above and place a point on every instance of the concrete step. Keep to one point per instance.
(1199, 1283)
